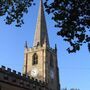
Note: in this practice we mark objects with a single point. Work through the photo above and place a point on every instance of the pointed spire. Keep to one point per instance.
(41, 35)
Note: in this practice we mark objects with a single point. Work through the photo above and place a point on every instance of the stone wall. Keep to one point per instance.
(12, 80)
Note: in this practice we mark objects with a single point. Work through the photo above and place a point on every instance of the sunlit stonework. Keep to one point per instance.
(40, 69)
(44, 65)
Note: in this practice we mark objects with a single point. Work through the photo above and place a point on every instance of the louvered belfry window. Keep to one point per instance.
(35, 59)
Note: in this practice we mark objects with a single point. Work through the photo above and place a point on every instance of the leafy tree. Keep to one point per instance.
(72, 18)
(14, 10)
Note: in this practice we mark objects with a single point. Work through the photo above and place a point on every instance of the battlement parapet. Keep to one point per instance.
(11, 76)
(33, 48)
(51, 50)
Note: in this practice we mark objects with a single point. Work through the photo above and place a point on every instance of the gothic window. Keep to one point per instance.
(51, 61)
(35, 59)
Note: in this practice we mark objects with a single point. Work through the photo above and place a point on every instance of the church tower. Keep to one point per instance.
(40, 61)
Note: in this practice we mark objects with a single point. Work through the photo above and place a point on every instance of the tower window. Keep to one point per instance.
(35, 59)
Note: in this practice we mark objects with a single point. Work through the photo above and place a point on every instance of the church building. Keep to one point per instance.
(40, 70)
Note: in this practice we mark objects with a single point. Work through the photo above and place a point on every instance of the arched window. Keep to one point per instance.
(35, 59)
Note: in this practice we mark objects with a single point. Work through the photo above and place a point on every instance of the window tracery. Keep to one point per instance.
(35, 59)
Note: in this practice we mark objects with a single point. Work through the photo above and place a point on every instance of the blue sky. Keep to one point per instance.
(74, 68)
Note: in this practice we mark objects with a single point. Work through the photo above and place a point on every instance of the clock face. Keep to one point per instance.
(34, 72)
(52, 74)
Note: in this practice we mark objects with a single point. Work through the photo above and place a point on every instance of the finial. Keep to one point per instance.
(55, 48)
(26, 46)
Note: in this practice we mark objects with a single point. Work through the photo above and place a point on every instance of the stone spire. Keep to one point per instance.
(41, 35)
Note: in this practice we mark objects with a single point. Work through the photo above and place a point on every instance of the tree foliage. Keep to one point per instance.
(14, 10)
(72, 18)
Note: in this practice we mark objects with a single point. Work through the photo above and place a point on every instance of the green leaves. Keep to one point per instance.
(72, 17)
(14, 10)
